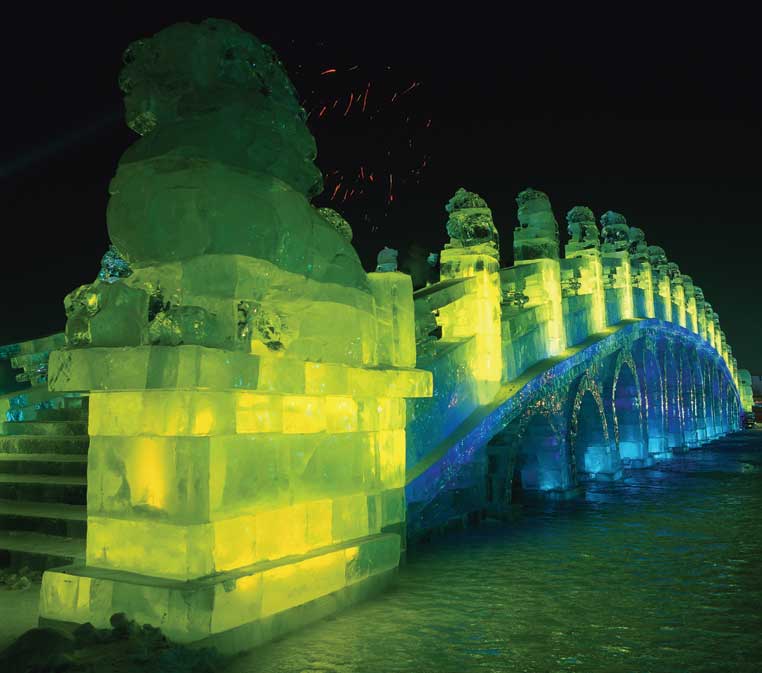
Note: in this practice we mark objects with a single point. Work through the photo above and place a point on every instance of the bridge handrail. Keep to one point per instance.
(32, 346)
(31, 357)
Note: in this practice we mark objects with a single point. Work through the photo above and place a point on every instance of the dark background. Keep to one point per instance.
(656, 117)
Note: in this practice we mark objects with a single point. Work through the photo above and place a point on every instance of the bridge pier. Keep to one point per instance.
(658, 448)
(652, 391)
(594, 449)
(642, 277)
(673, 399)
(700, 419)
(247, 377)
(627, 415)
(232, 497)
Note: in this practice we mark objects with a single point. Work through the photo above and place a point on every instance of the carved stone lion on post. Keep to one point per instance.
(210, 209)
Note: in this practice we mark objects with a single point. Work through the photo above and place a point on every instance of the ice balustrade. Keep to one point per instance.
(549, 308)
(599, 287)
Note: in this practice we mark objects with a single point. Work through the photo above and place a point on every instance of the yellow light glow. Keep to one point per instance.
(665, 292)
(341, 414)
(148, 476)
(302, 413)
(599, 297)
(628, 309)
(256, 412)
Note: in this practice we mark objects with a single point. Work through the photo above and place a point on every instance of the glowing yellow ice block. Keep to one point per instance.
(272, 467)
(642, 275)
(617, 265)
(678, 299)
(235, 610)
(691, 314)
(544, 285)
(301, 464)
(664, 294)
(691, 311)
(394, 318)
(709, 318)
(701, 320)
(477, 314)
(592, 284)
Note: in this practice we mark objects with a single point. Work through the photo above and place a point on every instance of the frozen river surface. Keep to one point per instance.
(661, 572)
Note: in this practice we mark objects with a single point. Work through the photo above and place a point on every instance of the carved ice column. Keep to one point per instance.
(536, 243)
(582, 270)
(691, 316)
(674, 394)
(662, 294)
(642, 276)
(709, 315)
(717, 341)
(705, 412)
(724, 348)
(698, 293)
(395, 343)
(617, 278)
(738, 411)
(473, 252)
(745, 387)
(699, 398)
(678, 294)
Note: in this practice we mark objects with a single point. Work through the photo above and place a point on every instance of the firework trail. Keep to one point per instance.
(372, 130)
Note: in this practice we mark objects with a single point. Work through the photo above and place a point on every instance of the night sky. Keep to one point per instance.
(657, 118)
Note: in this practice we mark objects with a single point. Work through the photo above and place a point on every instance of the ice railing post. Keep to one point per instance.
(536, 243)
(473, 252)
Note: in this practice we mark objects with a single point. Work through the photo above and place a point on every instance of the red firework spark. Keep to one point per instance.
(380, 112)
(349, 105)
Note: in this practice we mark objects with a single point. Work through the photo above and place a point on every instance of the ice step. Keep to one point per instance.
(44, 488)
(74, 444)
(39, 551)
(44, 428)
(44, 517)
(66, 414)
(43, 463)
(31, 397)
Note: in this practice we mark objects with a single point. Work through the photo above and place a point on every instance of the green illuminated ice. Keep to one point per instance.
(231, 494)
(211, 211)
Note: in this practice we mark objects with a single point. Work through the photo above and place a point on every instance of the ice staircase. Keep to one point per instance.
(43, 463)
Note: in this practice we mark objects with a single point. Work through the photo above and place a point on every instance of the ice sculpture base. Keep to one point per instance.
(233, 611)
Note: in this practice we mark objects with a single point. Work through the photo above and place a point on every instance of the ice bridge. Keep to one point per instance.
(259, 425)
(532, 378)
(557, 371)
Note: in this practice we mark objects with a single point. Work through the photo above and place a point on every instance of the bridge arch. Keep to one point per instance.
(688, 400)
(574, 409)
(735, 409)
(720, 414)
(713, 420)
(673, 411)
(724, 410)
(627, 414)
(654, 402)
(589, 438)
(529, 455)
(699, 396)
(542, 461)
(732, 409)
